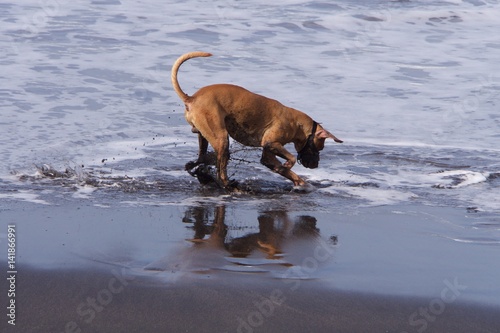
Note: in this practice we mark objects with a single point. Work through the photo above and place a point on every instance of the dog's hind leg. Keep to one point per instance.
(213, 131)
(202, 153)
(202, 150)
(200, 168)
(221, 147)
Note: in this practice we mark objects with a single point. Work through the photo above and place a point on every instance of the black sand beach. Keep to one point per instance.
(103, 300)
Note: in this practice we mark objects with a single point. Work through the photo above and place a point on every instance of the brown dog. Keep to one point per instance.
(219, 110)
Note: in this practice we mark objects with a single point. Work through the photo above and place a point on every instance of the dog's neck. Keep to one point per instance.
(311, 134)
(313, 131)
(308, 156)
(308, 136)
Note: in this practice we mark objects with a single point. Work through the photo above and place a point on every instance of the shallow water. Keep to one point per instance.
(89, 119)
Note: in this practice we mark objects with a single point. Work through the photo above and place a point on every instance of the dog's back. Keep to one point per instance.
(247, 116)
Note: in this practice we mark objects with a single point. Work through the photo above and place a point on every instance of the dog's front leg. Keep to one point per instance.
(269, 160)
(277, 149)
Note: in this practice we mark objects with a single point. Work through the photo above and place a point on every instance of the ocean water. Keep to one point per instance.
(88, 114)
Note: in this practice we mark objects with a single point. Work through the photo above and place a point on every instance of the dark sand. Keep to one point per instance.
(49, 302)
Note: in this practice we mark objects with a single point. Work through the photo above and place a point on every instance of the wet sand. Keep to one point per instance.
(179, 288)
(104, 300)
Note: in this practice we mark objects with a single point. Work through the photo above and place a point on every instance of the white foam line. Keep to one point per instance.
(102, 206)
(467, 177)
(374, 196)
(377, 142)
(193, 201)
(24, 195)
(414, 66)
(473, 241)
(84, 192)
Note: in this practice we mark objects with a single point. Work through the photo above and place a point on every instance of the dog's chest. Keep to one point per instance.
(245, 132)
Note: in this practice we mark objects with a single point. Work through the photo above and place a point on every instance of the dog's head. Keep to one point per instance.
(308, 156)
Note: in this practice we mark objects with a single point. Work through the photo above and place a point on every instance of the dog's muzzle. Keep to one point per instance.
(308, 156)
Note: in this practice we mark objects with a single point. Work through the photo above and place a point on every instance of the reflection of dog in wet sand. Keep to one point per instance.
(222, 110)
(275, 229)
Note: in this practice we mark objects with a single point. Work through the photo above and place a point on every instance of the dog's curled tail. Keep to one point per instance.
(175, 69)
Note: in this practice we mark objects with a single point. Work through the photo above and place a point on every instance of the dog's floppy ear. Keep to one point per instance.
(324, 134)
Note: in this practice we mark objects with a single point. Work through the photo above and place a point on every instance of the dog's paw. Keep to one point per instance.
(306, 188)
(190, 166)
(204, 173)
(233, 186)
(289, 163)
